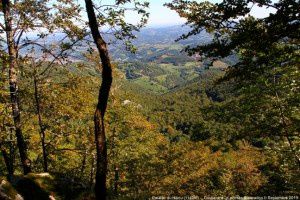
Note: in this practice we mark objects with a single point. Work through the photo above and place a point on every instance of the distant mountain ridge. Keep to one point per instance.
(146, 38)
(159, 64)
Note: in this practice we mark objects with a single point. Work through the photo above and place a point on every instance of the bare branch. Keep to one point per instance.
(2, 26)
(60, 54)
(44, 48)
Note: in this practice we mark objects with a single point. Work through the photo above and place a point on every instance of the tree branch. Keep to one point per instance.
(2, 26)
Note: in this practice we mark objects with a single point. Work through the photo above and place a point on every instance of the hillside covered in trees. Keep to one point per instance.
(95, 107)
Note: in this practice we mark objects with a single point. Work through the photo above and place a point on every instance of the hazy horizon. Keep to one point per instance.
(161, 16)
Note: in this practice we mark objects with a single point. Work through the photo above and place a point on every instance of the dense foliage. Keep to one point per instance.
(265, 110)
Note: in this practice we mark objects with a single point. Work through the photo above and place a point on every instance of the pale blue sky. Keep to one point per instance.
(162, 16)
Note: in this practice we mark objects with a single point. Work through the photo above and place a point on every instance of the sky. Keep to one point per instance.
(163, 16)
(159, 14)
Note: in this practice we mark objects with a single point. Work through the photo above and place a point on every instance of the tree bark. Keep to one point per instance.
(41, 125)
(8, 161)
(100, 138)
(13, 87)
(116, 181)
(92, 170)
(83, 165)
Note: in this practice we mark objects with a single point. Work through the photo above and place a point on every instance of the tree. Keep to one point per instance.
(13, 84)
(20, 17)
(7, 145)
(115, 18)
(266, 76)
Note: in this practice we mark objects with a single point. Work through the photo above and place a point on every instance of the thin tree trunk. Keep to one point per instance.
(8, 156)
(284, 123)
(100, 138)
(286, 134)
(116, 181)
(115, 166)
(8, 161)
(13, 86)
(41, 125)
(92, 170)
(83, 165)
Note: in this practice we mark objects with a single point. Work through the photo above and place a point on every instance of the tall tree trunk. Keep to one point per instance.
(100, 139)
(8, 160)
(92, 170)
(116, 181)
(13, 86)
(83, 164)
(284, 123)
(41, 125)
